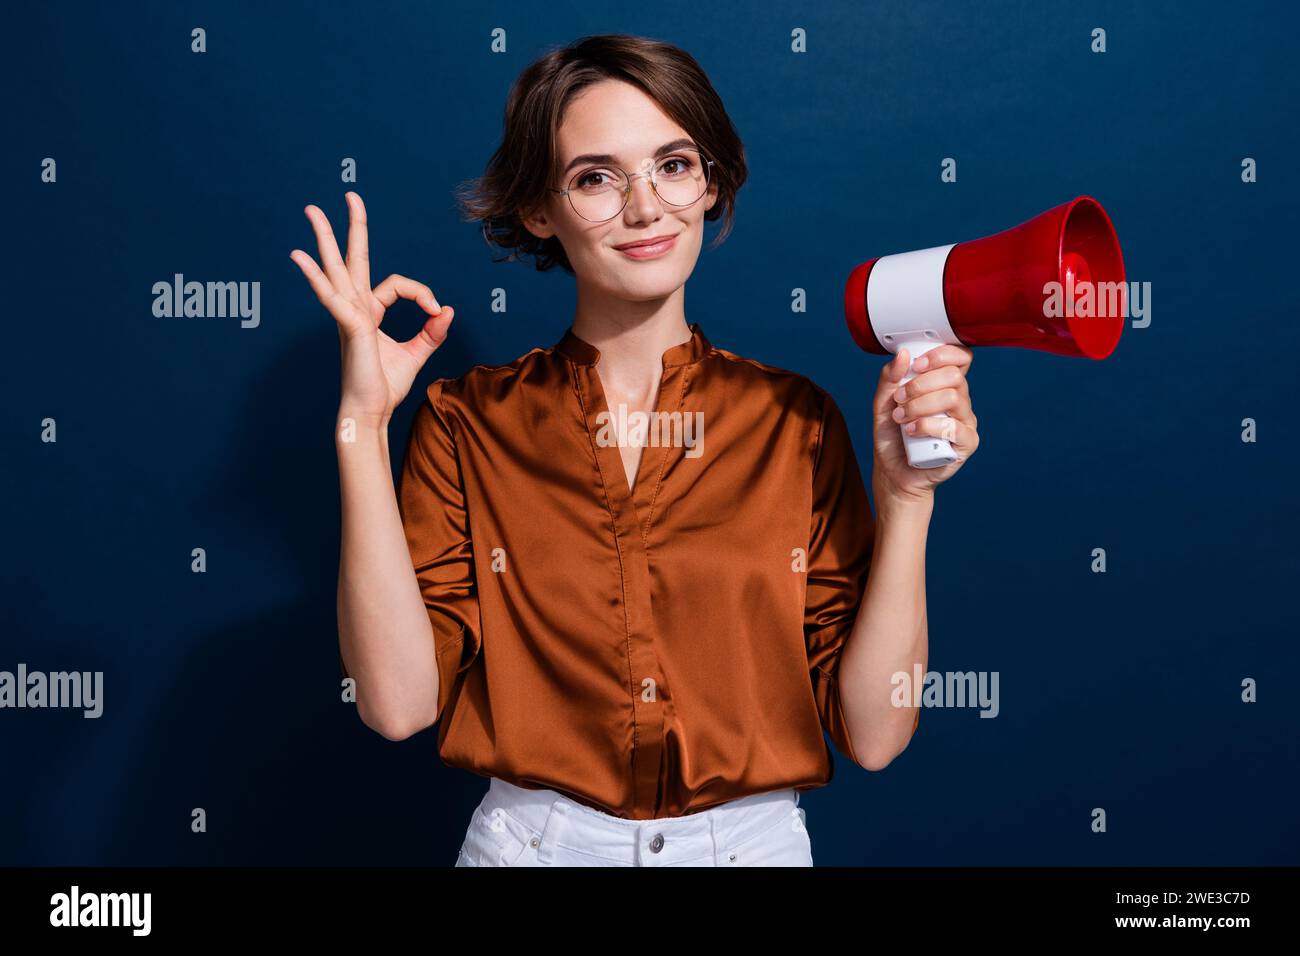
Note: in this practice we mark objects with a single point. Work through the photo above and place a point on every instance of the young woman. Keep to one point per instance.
(635, 575)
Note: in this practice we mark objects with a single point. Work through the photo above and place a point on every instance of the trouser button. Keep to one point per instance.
(657, 843)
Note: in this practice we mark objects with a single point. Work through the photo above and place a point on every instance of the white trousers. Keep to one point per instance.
(515, 826)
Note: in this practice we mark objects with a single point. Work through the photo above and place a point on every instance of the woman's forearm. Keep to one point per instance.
(890, 635)
(385, 636)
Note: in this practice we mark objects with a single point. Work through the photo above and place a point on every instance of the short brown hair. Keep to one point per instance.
(521, 170)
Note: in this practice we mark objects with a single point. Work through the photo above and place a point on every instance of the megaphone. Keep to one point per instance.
(995, 291)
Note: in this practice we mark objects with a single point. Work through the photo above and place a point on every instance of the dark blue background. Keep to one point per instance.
(1119, 691)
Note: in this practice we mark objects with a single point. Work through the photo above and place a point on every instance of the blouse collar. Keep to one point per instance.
(684, 353)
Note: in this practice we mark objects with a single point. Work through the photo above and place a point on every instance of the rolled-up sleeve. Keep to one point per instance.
(432, 504)
(839, 559)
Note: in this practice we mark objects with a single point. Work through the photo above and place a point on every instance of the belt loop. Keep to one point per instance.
(713, 837)
(550, 830)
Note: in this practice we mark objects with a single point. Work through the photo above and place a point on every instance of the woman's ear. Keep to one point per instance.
(538, 223)
(710, 196)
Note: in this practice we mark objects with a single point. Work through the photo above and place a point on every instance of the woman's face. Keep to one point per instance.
(615, 118)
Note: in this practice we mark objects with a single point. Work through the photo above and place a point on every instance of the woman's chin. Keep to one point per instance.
(648, 291)
(644, 281)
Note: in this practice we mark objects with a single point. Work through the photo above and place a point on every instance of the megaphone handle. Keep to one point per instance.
(924, 451)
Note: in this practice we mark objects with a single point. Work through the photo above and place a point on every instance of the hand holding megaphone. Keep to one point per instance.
(994, 291)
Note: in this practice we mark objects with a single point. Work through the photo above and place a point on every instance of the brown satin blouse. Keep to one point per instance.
(651, 652)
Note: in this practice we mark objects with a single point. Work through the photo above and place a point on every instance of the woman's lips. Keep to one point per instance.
(651, 250)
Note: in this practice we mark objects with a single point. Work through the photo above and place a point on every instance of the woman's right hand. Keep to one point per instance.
(377, 370)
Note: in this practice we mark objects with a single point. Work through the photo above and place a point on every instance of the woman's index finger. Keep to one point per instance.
(958, 355)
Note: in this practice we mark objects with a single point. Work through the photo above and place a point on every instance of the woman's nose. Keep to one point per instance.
(643, 204)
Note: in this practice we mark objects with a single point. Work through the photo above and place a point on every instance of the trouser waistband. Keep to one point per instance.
(561, 821)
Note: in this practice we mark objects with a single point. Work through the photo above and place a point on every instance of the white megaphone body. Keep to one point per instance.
(995, 291)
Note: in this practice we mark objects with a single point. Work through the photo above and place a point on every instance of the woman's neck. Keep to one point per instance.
(632, 337)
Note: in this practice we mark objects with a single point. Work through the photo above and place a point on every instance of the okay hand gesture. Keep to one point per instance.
(377, 369)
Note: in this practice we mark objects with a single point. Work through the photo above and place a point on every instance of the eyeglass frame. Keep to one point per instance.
(627, 190)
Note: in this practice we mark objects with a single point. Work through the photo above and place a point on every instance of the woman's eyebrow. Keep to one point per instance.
(607, 158)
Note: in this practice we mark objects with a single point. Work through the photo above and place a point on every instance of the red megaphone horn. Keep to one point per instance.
(1054, 283)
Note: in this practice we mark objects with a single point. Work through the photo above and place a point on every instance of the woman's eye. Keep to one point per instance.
(596, 179)
(675, 166)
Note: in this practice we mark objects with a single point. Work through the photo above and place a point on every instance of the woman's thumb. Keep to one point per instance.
(431, 335)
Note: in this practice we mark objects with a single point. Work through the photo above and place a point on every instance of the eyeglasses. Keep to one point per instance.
(599, 193)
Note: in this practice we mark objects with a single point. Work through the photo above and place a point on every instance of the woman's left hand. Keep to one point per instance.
(939, 386)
